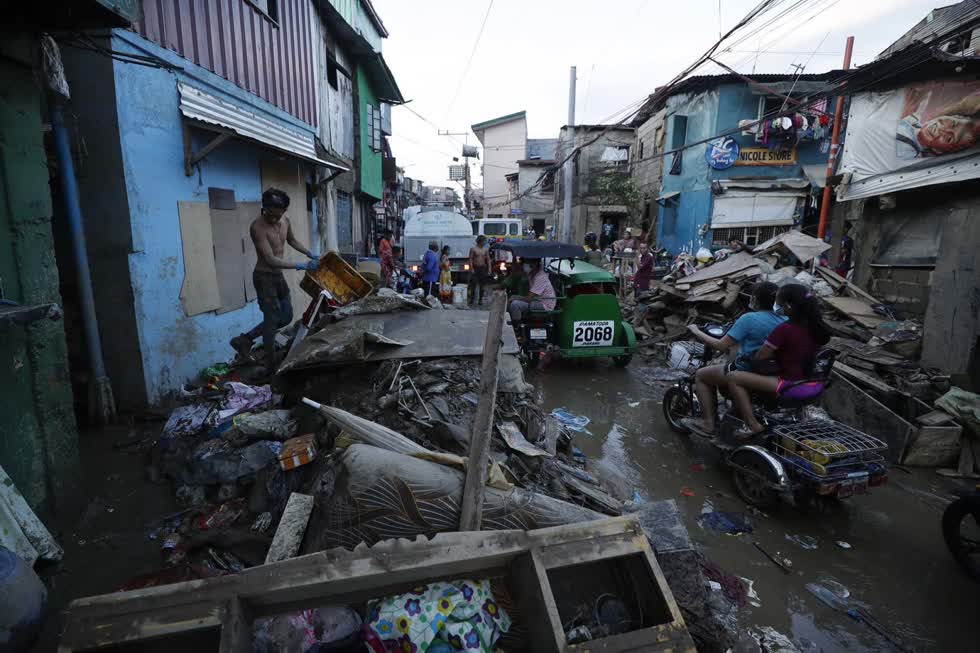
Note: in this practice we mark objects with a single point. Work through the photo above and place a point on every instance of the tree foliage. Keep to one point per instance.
(617, 189)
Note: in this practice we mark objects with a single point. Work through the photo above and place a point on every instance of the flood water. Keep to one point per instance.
(897, 566)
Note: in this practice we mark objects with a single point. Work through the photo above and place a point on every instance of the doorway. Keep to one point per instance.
(609, 228)
(538, 225)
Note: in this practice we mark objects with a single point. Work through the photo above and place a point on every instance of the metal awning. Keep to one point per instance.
(666, 197)
(204, 107)
(785, 183)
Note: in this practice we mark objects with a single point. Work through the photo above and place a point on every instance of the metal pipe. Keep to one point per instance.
(834, 146)
(102, 404)
(566, 227)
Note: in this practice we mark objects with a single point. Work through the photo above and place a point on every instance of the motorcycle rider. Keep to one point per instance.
(793, 345)
(745, 337)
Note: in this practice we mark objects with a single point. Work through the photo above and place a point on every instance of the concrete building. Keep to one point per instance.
(38, 432)
(594, 163)
(504, 143)
(913, 199)
(773, 183)
(646, 165)
(184, 150)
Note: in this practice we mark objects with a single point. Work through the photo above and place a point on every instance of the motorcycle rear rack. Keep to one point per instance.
(837, 471)
(828, 438)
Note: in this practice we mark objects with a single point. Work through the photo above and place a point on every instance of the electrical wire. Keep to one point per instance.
(466, 68)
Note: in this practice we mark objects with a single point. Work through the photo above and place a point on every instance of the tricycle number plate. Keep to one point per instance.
(594, 333)
(539, 334)
(856, 484)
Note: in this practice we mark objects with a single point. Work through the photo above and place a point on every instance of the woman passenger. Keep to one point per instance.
(793, 344)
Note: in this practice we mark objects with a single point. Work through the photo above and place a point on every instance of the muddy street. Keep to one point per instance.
(897, 566)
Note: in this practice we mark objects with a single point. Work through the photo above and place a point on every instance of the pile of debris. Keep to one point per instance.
(236, 451)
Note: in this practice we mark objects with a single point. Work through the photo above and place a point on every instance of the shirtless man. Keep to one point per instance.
(479, 269)
(270, 232)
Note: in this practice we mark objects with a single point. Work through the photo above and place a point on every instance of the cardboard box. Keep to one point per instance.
(298, 451)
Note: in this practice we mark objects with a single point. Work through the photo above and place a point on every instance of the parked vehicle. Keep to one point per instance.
(498, 229)
(444, 225)
(961, 530)
(587, 321)
(796, 458)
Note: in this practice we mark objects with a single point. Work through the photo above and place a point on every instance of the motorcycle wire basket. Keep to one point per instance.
(825, 449)
(686, 355)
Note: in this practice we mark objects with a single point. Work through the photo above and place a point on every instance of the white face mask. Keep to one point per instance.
(527, 269)
(778, 310)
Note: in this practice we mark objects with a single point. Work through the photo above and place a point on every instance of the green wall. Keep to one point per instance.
(371, 182)
(38, 437)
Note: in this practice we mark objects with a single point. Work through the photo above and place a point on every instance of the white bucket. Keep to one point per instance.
(459, 293)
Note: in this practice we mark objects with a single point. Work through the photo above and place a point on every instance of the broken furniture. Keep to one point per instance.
(582, 560)
(909, 441)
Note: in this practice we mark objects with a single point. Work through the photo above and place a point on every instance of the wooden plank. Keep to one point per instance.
(229, 263)
(471, 510)
(236, 627)
(335, 576)
(865, 379)
(199, 291)
(247, 212)
(935, 418)
(551, 429)
(857, 309)
(952, 320)
(597, 498)
(731, 265)
(838, 282)
(851, 405)
(291, 529)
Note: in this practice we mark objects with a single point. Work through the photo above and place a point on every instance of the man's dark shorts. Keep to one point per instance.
(271, 290)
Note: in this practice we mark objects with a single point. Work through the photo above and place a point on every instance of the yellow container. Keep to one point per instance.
(821, 451)
(336, 276)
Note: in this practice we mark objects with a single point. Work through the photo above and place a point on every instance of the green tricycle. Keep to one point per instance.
(586, 321)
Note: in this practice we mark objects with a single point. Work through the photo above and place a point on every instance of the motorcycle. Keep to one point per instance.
(796, 458)
(961, 531)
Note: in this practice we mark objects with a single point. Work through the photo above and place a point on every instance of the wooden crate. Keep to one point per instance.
(224, 608)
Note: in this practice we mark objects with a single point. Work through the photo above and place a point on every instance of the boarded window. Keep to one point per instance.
(677, 140)
(374, 128)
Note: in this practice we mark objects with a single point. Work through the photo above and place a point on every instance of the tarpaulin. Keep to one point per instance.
(754, 209)
(909, 137)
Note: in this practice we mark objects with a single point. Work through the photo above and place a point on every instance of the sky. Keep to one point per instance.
(623, 49)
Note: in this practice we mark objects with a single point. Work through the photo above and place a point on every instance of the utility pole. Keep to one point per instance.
(834, 146)
(566, 226)
(468, 153)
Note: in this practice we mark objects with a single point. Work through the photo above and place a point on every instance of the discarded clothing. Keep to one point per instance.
(242, 397)
(305, 630)
(461, 613)
(571, 421)
(725, 522)
(187, 420)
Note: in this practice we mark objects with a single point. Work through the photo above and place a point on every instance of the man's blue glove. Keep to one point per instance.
(311, 255)
(309, 266)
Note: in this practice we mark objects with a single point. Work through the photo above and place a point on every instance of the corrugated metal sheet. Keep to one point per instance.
(939, 23)
(198, 105)
(233, 39)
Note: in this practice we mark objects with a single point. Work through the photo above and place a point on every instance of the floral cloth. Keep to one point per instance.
(462, 613)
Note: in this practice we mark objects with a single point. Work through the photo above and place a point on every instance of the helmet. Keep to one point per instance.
(590, 237)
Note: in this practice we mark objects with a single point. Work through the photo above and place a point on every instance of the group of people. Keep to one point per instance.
(437, 277)
(773, 347)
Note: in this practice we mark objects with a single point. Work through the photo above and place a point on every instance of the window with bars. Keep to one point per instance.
(751, 236)
(374, 127)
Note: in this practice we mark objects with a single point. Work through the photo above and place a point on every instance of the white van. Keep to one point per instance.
(497, 229)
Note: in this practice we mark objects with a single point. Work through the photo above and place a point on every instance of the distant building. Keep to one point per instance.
(593, 164)
(770, 187)
(504, 143)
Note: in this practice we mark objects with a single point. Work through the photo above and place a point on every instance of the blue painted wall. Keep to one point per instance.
(708, 114)
(175, 347)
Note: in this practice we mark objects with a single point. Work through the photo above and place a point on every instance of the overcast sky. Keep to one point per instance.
(623, 50)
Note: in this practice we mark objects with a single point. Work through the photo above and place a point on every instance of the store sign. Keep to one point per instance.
(722, 153)
(761, 156)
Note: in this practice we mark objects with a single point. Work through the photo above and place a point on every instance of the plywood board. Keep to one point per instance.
(857, 309)
(731, 265)
(285, 174)
(229, 263)
(199, 292)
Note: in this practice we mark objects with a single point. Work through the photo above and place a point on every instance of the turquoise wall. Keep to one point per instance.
(371, 181)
